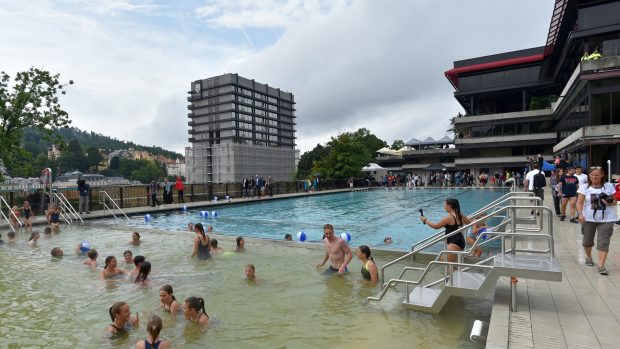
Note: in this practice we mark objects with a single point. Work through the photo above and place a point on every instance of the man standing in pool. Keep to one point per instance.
(336, 250)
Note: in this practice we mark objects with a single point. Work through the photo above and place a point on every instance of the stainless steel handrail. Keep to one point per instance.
(11, 213)
(512, 234)
(441, 236)
(66, 205)
(106, 195)
(492, 205)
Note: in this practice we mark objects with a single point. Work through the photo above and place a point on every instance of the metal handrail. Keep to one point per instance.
(441, 236)
(11, 213)
(493, 204)
(66, 205)
(103, 202)
(460, 230)
(448, 276)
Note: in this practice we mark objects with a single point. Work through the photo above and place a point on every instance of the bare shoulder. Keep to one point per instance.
(140, 345)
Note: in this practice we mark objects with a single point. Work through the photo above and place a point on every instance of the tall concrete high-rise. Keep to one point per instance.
(238, 128)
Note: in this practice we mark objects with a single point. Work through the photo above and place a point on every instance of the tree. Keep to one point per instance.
(93, 158)
(453, 128)
(30, 101)
(397, 144)
(348, 153)
(307, 159)
(115, 163)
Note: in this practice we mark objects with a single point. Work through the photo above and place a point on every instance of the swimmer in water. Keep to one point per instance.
(92, 258)
(34, 237)
(120, 313)
(135, 239)
(47, 232)
(214, 248)
(143, 274)
(190, 226)
(137, 261)
(288, 237)
(168, 301)
(14, 218)
(240, 244)
(128, 257)
(202, 245)
(209, 229)
(56, 252)
(11, 236)
(369, 267)
(194, 310)
(110, 270)
(387, 240)
(153, 327)
(250, 272)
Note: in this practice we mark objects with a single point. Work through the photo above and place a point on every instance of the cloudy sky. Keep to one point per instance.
(350, 64)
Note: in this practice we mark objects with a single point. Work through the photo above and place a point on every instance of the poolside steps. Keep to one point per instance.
(476, 284)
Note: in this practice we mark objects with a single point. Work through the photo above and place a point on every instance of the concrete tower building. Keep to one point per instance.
(238, 128)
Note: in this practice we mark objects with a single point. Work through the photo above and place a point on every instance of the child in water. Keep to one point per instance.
(153, 327)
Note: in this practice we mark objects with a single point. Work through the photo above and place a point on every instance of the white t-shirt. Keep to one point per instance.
(529, 177)
(583, 178)
(608, 214)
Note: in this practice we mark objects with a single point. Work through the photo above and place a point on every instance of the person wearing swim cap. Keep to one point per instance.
(336, 250)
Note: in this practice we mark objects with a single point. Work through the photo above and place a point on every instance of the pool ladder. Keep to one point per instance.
(10, 214)
(104, 198)
(67, 211)
(470, 277)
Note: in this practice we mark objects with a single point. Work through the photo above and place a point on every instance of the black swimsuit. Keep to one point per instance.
(456, 239)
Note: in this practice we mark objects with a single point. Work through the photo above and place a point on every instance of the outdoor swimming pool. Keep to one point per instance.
(59, 303)
(368, 216)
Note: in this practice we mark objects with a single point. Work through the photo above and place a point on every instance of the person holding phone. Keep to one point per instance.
(452, 222)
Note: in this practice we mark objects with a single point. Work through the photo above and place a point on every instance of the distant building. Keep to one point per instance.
(121, 154)
(239, 127)
(421, 157)
(175, 168)
(562, 98)
(53, 152)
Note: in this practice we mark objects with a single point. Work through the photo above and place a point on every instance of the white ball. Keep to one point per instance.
(346, 237)
(301, 236)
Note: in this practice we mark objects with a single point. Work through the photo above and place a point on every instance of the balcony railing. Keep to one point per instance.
(513, 116)
(601, 64)
(505, 139)
(434, 151)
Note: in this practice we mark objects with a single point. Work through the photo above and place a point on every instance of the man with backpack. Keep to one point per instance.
(535, 181)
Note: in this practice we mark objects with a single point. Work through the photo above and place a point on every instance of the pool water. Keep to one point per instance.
(368, 216)
(59, 303)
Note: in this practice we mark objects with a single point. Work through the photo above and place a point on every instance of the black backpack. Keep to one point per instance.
(539, 180)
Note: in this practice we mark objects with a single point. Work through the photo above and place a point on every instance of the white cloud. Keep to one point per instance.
(349, 64)
(263, 14)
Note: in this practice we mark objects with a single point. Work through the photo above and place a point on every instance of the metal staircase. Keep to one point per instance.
(475, 277)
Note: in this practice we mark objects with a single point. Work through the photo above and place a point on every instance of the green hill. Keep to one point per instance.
(34, 142)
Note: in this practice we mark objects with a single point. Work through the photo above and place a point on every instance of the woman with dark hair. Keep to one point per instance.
(202, 245)
(110, 270)
(594, 201)
(369, 267)
(34, 237)
(240, 244)
(194, 310)
(143, 274)
(168, 301)
(121, 318)
(153, 327)
(452, 222)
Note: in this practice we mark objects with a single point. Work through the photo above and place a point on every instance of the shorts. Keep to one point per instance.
(605, 230)
(332, 270)
(568, 196)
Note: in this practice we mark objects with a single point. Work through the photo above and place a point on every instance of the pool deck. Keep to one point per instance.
(41, 220)
(582, 311)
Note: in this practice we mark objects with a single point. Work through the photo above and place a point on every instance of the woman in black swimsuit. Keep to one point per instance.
(453, 221)
(202, 245)
(194, 310)
(121, 318)
(168, 302)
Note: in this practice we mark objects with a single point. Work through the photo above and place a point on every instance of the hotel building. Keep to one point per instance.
(238, 128)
